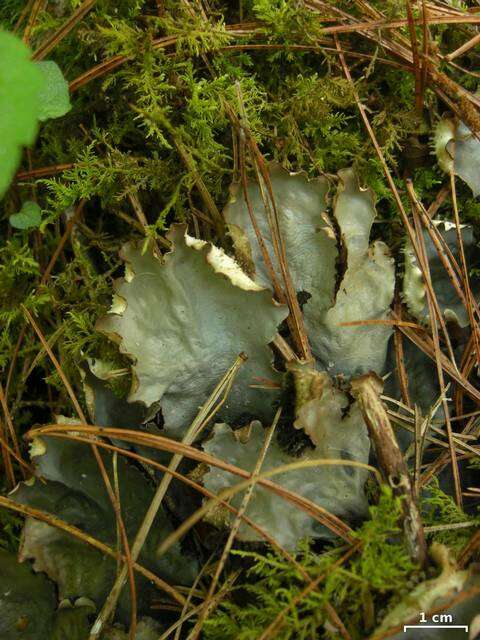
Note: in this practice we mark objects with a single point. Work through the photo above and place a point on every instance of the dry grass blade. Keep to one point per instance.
(375, 25)
(421, 428)
(37, 7)
(400, 359)
(431, 299)
(466, 46)
(243, 176)
(206, 413)
(209, 601)
(324, 517)
(25, 12)
(425, 45)
(389, 322)
(12, 433)
(7, 454)
(97, 71)
(44, 171)
(229, 492)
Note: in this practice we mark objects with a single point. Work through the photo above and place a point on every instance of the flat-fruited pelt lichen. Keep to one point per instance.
(215, 216)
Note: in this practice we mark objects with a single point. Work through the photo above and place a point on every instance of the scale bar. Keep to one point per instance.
(435, 626)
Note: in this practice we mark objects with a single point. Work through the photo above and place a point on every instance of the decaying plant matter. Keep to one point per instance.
(239, 289)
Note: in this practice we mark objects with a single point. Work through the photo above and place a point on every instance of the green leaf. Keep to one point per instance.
(20, 84)
(185, 321)
(29, 216)
(27, 602)
(55, 96)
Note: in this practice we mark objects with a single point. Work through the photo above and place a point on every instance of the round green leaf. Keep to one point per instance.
(54, 97)
(28, 217)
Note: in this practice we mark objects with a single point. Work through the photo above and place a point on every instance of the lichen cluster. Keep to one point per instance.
(140, 179)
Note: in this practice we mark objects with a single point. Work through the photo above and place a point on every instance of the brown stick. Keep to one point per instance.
(367, 389)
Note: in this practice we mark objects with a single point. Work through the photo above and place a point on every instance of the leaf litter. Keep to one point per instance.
(298, 281)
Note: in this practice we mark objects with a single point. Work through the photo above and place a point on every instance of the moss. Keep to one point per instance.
(121, 139)
(368, 585)
(439, 508)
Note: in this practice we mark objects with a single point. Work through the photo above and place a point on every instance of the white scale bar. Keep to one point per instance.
(435, 626)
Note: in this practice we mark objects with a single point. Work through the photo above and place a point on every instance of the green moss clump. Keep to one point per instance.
(361, 590)
(440, 509)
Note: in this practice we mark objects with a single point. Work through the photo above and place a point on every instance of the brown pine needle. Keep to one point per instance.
(98, 458)
(416, 58)
(45, 48)
(58, 523)
(206, 413)
(324, 517)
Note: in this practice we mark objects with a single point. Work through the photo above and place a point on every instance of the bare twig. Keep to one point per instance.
(367, 389)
